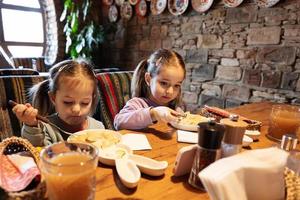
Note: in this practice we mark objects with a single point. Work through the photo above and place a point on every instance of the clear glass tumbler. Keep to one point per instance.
(69, 170)
(284, 119)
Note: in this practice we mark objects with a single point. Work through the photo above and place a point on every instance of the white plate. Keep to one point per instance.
(201, 5)
(266, 3)
(193, 125)
(113, 13)
(101, 138)
(177, 7)
(158, 6)
(128, 172)
(232, 3)
(126, 10)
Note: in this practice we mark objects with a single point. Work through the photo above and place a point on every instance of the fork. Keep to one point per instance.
(41, 118)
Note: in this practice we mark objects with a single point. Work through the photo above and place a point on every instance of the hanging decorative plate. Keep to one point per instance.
(177, 7)
(266, 3)
(158, 6)
(133, 2)
(126, 10)
(119, 2)
(113, 13)
(141, 8)
(232, 3)
(201, 5)
(107, 2)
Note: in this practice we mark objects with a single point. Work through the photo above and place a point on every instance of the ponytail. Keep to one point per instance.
(139, 87)
(40, 98)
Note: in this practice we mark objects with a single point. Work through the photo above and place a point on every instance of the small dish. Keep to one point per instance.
(107, 2)
(126, 10)
(149, 166)
(177, 7)
(113, 13)
(158, 6)
(254, 134)
(232, 3)
(247, 141)
(201, 5)
(266, 3)
(141, 8)
(109, 155)
(128, 172)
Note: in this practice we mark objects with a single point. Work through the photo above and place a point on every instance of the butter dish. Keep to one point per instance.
(128, 172)
(254, 134)
(149, 166)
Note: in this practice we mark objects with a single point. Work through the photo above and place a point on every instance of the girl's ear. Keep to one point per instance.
(147, 78)
(51, 97)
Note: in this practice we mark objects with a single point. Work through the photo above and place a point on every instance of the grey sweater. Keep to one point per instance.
(46, 134)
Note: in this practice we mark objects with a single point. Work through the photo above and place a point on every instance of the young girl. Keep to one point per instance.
(70, 95)
(156, 91)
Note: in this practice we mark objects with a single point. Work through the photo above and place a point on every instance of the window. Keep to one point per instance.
(22, 28)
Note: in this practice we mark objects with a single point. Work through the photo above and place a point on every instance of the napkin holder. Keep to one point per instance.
(14, 145)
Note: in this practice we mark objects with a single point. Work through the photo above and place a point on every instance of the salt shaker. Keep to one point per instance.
(288, 142)
(210, 135)
(234, 133)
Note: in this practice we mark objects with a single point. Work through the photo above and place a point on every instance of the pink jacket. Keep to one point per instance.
(135, 114)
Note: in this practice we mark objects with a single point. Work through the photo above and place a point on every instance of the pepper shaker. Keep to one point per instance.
(234, 133)
(210, 135)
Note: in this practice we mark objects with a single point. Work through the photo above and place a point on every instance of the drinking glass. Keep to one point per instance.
(69, 170)
(284, 119)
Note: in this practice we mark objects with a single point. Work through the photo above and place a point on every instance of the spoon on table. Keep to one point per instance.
(41, 118)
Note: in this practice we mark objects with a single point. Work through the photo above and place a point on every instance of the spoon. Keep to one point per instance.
(41, 118)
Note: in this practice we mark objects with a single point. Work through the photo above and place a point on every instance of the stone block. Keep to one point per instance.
(211, 101)
(164, 31)
(205, 71)
(197, 56)
(245, 54)
(265, 35)
(238, 15)
(231, 103)
(298, 86)
(209, 42)
(236, 92)
(292, 31)
(167, 43)
(155, 32)
(229, 73)
(271, 79)
(190, 97)
(223, 53)
(229, 62)
(252, 77)
(289, 80)
(190, 28)
(277, 55)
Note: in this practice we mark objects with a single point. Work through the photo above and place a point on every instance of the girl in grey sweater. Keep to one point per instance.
(68, 98)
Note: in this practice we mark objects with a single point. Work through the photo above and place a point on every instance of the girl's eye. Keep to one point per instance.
(68, 102)
(163, 83)
(85, 104)
(177, 86)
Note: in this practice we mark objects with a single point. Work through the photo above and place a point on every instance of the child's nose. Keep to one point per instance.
(170, 90)
(76, 108)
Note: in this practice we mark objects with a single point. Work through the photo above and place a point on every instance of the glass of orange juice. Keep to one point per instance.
(69, 170)
(284, 119)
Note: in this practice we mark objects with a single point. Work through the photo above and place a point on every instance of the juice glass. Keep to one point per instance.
(284, 119)
(69, 170)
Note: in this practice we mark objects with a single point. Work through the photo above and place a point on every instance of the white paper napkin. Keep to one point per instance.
(251, 175)
(187, 136)
(136, 141)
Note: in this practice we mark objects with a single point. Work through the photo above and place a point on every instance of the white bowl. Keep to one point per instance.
(247, 141)
(253, 134)
(109, 155)
(128, 172)
(148, 165)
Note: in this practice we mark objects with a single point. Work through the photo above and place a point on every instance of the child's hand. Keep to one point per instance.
(26, 113)
(163, 113)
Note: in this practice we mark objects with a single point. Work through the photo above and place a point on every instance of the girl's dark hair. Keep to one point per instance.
(157, 60)
(67, 68)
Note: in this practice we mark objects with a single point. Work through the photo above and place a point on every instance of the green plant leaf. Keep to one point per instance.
(85, 8)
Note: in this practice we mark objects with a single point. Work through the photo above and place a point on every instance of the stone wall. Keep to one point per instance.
(233, 55)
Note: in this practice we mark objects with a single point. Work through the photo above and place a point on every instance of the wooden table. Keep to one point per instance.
(165, 147)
